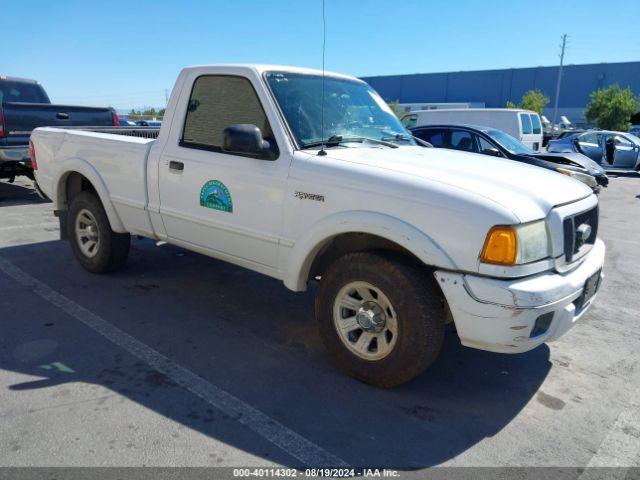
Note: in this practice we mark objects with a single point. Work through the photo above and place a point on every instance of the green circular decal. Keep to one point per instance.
(214, 194)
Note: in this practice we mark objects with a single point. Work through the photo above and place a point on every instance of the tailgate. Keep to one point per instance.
(21, 118)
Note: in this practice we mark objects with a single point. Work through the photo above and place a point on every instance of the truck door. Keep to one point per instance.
(225, 204)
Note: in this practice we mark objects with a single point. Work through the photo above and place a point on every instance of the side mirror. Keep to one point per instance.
(246, 139)
(494, 152)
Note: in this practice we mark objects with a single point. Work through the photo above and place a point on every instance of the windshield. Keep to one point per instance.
(509, 143)
(352, 109)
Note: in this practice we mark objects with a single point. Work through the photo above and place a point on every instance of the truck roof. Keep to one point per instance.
(261, 68)
(18, 79)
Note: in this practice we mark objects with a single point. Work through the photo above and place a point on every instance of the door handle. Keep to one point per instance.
(62, 116)
(173, 165)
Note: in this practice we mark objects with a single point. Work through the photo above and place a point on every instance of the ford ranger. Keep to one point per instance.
(309, 177)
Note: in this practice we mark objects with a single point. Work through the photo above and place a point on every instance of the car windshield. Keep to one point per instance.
(352, 110)
(509, 143)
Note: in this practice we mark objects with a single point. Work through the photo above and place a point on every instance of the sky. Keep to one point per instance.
(127, 54)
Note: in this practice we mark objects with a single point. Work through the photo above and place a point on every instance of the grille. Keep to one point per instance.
(575, 245)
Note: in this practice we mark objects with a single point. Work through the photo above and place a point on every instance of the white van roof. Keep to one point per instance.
(462, 110)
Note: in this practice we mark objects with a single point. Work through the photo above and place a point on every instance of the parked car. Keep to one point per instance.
(400, 237)
(568, 133)
(24, 105)
(524, 125)
(126, 123)
(496, 143)
(149, 123)
(609, 149)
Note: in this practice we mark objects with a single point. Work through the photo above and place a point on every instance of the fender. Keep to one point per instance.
(81, 166)
(304, 250)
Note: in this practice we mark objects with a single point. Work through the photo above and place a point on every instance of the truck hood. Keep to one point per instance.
(527, 191)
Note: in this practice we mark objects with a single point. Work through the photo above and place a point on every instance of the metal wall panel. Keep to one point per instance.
(495, 87)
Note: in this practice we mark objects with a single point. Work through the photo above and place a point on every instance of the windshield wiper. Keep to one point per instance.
(338, 139)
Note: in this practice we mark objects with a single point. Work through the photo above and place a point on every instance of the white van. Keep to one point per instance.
(524, 125)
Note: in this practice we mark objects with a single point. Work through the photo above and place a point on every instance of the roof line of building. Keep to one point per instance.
(497, 69)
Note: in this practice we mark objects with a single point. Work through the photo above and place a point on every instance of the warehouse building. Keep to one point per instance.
(493, 88)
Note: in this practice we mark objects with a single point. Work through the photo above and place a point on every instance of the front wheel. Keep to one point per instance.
(381, 318)
(96, 247)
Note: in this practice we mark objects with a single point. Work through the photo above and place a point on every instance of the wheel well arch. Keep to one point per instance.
(341, 244)
(78, 176)
(357, 230)
(73, 183)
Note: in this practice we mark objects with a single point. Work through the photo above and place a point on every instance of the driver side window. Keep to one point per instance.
(216, 102)
(462, 140)
(485, 146)
(589, 139)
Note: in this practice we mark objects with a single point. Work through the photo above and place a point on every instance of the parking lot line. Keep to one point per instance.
(270, 429)
(32, 225)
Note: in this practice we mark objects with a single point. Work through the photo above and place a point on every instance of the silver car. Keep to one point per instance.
(609, 149)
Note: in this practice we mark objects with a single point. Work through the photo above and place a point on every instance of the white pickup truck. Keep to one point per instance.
(402, 238)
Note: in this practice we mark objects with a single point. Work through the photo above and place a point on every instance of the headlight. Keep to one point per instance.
(516, 244)
(583, 177)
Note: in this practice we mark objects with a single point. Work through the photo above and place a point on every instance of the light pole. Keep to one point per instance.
(555, 106)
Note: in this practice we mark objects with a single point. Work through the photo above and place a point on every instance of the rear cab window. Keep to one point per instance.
(23, 92)
(216, 102)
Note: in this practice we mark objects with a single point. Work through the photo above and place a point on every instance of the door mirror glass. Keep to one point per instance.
(245, 139)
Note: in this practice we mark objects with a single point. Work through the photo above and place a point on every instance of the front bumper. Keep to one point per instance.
(499, 315)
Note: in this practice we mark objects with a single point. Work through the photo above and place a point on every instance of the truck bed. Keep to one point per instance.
(119, 154)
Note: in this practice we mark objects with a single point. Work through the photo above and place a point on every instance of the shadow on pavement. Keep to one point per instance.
(248, 335)
(20, 193)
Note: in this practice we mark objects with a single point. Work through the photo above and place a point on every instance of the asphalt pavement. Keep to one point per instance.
(183, 360)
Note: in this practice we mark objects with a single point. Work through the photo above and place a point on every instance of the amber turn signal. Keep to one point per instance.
(500, 247)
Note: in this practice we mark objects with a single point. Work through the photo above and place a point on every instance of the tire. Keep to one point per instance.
(110, 248)
(412, 304)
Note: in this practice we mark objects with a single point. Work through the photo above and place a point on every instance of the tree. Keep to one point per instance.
(534, 100)
(611, 108)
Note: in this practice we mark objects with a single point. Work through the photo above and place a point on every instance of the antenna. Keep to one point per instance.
(324, 40)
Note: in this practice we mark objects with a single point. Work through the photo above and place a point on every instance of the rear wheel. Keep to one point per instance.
(96, 247)
(381, 318)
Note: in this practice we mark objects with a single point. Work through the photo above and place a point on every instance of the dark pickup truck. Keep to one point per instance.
(24, 105)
